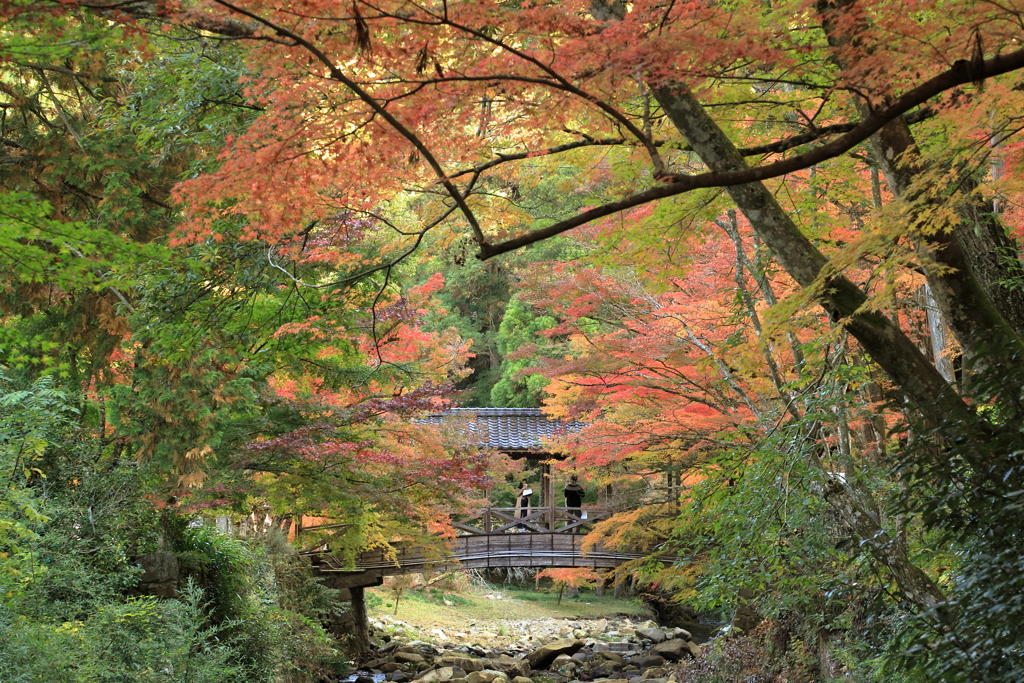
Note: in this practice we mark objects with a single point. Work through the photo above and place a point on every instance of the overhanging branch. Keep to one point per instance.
(961, 73)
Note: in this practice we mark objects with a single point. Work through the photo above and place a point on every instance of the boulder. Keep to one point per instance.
(158, 567)
(694, 649)
(487, 676)
(444, 673)
(420, 646)
(403, 657)
(647, 661)
(672, 650)
(398, 677)
(464, 663)
(543, 656)
(611, 656)
(160, 574)
(522, 679)
(507, 665)
(681, 633)
(390, 667)
(655, 635)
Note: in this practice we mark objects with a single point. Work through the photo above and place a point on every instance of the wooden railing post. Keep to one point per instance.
(487, 521)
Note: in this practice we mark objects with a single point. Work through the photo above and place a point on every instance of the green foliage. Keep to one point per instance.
(29, 420)
(520, 343)
(140, 640)
(971, 491)
(74, 513)
(221, 563)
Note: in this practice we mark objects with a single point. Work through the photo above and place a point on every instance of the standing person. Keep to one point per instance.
(574, 498)
(523, 494)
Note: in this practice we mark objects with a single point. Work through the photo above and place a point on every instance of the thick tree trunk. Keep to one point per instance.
(973, 271)
(953, 272)
(898, 356)
(914, 584)
(993, 256)
(937, 337)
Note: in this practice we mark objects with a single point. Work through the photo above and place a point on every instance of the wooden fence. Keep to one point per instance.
(542, 520)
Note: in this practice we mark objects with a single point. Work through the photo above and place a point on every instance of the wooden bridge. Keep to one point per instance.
(491, 538)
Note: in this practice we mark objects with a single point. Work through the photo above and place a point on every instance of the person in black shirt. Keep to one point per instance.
(574, 498)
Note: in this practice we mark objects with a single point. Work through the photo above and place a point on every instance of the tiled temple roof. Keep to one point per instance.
(509, 429)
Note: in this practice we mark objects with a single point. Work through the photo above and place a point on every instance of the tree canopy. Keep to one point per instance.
(772, 262)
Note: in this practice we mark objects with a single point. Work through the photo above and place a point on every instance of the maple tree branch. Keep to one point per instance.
(768, 148)
(961, 73)
(504, 158)
(562, 82)
(372, 102)
(369, 271)
(146, 9)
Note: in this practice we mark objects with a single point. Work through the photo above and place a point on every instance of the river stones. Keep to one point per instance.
(508, 665)
(465, 663)
(674, 650)
(655, 635)
(656, 672)
(537, 646)
(487, 676)
(680, 633)
(544, 655)
(440, 674)
(648, 660)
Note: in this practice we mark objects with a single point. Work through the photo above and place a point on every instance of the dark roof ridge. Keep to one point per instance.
(494, 411)
(509, 429)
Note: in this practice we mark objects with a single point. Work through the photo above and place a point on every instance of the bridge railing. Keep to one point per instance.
(545, 520)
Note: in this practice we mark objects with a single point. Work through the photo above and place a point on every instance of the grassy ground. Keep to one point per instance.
(465, 606)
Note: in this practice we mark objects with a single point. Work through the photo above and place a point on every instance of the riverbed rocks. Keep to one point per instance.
(672, 650)
(541, 651)
(655, 635)
(408, 658)
(543, 656)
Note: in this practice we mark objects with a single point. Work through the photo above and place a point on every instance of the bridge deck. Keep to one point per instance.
(491, 538)
(482, 552)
